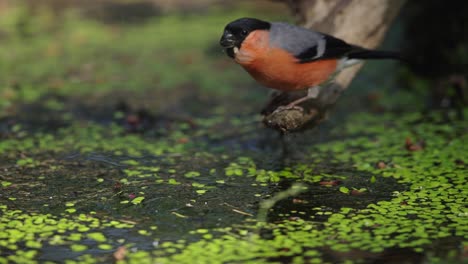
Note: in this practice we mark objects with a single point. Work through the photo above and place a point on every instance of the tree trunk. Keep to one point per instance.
(358, 22)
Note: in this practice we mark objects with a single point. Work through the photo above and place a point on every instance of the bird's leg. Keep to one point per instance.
(312, 92)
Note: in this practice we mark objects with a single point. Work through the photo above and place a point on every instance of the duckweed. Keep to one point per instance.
(34, 231)
(431, 208)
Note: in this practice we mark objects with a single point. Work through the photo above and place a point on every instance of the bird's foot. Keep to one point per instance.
(289, 107)
(312, 93)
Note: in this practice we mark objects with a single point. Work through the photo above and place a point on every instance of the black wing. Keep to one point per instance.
(334, 48)
(307, 45)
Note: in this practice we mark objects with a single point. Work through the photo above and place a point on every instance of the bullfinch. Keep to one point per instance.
(289, 58)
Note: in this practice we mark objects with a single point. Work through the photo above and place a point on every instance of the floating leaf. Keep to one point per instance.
(344, 190)
(138, 200)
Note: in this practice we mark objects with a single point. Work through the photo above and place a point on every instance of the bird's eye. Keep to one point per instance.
(244, 32)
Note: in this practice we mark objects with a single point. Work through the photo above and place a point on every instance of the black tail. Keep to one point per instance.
(361, 53)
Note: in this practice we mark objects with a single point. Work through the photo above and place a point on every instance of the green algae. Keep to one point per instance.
(27, 234)
(432, 208)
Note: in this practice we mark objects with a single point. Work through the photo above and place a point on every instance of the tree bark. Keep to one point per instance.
(358, 22)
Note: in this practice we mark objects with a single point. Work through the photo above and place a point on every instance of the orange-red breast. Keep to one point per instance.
(289, 58)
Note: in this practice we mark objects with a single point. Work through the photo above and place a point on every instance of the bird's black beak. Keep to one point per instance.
(227, 40)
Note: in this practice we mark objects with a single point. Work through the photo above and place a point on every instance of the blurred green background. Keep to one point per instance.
(94, 47)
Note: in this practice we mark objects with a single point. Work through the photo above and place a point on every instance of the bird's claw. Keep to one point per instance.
(289, 107)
